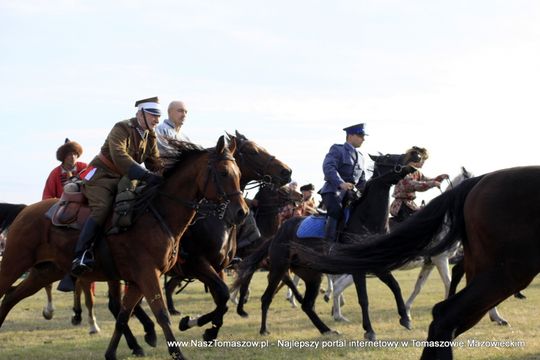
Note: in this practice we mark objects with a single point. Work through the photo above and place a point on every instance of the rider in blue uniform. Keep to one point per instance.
(344, 170)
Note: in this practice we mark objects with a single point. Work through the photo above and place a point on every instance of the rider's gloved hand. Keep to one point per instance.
(152, 179)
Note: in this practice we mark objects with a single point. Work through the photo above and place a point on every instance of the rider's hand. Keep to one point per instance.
(346, 186)
(152, 179)
(442, 177)
(434, 183)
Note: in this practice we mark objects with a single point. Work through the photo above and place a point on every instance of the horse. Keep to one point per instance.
(268, 218)
(495, 216)
(440, 261)
(209, 233)
(198, 180)
(369, 213)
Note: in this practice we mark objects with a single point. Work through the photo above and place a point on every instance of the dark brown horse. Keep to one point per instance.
(495, 216)
(368, 214)
(199, 178)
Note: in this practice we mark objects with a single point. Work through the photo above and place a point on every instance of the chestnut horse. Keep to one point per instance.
(199, 179)
(495, 216)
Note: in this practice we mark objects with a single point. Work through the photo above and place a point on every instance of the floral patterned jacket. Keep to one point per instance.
(405, 191)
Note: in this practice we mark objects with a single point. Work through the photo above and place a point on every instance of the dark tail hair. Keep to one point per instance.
(412, 238)
(8, 213)
(250, 264)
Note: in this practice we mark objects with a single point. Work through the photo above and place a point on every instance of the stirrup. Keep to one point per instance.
(83, 265)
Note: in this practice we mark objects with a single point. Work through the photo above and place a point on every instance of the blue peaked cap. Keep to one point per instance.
(358, 129)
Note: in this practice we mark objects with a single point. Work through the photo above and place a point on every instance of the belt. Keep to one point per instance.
(108, 163)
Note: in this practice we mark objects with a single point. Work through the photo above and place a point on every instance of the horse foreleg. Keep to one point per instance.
(170, 286)
(391, 282)
(131, 298)
(154, 296)
(361, 291)
(149, 329)
(48, 309)
(496, 317)
(77, 308)
(115, 296)
(277, 272)
(243, 291)
(220, 293)
(420, 281)
(329, 288)
(308, 305)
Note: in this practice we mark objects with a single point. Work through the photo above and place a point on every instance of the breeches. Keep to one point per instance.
(100, 191)
(333, 204)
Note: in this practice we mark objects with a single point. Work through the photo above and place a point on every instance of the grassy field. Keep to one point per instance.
(26, 335)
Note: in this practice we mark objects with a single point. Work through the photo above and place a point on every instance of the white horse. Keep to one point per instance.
(440, 261)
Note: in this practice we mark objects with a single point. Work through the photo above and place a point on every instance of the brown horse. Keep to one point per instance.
(199, 179)
(495, 215)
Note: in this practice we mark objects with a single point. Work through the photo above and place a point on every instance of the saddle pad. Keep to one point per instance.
(311, 227)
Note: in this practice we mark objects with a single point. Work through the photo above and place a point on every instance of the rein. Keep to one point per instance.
(261, 174)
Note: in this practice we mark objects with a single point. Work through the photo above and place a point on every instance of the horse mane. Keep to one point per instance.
(178, 152)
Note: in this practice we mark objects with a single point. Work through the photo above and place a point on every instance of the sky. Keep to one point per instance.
(461, 78)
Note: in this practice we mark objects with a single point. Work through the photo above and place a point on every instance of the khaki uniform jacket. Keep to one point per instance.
(123, 148)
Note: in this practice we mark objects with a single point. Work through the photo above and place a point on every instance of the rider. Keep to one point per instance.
(344, 170)
(405, 190)
(309, 203)
(129, 143)
(68, 154)
(170, 128)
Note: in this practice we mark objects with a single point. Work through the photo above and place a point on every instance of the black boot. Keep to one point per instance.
(84, 259)
(330, 229)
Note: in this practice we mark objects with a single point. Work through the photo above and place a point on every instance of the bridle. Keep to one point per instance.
(261, 174)
(205, 207)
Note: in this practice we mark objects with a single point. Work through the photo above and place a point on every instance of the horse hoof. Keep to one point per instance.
(370, 335)
(94, 331)
(139, 352)
(210, 334)
(342, 319)
(331, 332)
(173, 311)
(48, 315)
(406, 323)
(184, 324)
(326, 298)
(151, 338)
(76, 320)
(264, 332)
(243, 314)
(520, 296)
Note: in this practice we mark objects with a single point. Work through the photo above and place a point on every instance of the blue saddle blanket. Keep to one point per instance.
(311, 227)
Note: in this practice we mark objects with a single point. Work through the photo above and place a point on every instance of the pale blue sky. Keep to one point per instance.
(458, 77)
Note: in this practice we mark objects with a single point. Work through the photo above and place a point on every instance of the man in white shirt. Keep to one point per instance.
(170, 128)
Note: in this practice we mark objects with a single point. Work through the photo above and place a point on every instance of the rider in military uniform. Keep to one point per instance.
(129, 144)
(344, 170)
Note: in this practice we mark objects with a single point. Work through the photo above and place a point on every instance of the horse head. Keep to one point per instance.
(390, 164)
(213, 176)
(257, 164)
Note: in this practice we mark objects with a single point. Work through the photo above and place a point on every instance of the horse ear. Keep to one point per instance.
(240, 136)
(229, 136)
(232, 145)
(220, 147)
(373, 157)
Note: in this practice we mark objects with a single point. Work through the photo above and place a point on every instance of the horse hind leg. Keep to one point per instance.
(308, 305)
(391, 282)
(420, 281)
(496, 317)
(37, 278)
(48, 309)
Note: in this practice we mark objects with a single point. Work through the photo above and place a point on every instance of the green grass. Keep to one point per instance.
(26, 335)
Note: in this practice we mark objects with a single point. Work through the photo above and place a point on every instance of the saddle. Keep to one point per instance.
(70, 211)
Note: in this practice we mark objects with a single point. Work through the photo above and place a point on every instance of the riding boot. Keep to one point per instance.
(84, 258)
(330, 229)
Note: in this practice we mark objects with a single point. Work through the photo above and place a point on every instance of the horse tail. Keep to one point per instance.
(409, 240)
(8, 213)
(250, 264)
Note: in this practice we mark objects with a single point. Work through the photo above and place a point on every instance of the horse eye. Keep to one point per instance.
(223, 173)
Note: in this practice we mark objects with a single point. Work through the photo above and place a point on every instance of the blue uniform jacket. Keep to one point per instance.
(343, 163)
